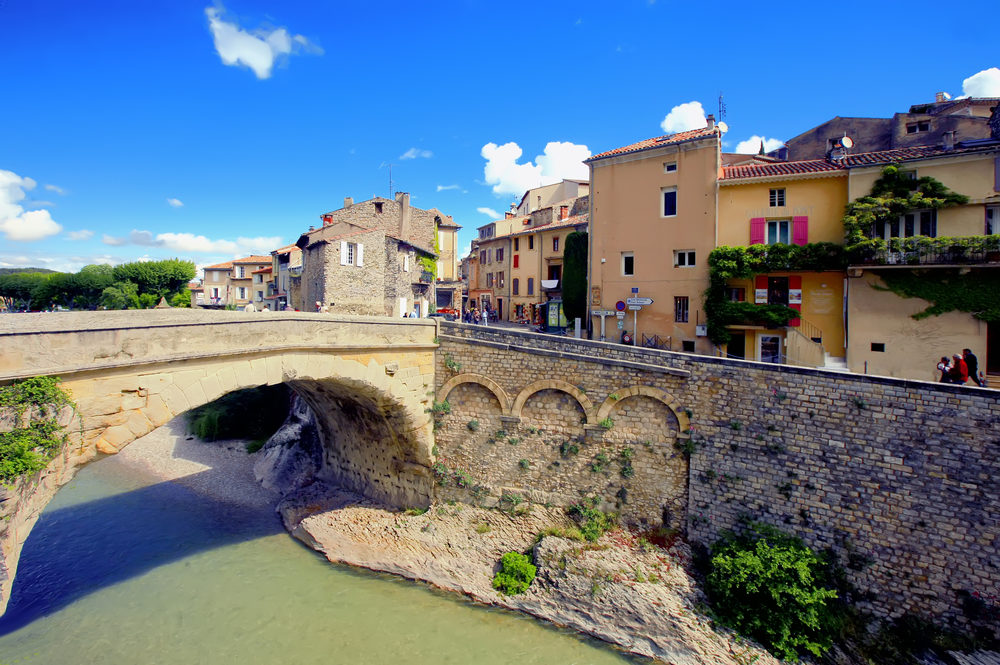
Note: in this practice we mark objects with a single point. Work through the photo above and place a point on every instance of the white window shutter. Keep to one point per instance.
(406, 263)
(343, 252)
(361, 254)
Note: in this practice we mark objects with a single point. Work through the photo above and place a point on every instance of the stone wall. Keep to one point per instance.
(352, 289)
(898, 478)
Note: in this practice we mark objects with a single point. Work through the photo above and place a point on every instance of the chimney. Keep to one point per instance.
(327, 219)
(710, 120)
(509, 214)
(948, 141)
(403, 199)
(348, 201)
(563, 212)
(939, 98)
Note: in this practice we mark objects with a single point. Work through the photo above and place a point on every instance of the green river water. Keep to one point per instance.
(126, 569)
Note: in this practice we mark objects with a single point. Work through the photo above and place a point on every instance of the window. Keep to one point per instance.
(777, 232)
(516, 262)
(683, 258)
(378, 207)
(241, 272)
(555, 244)
(669, 167)
(241, 292)
(669, 201)
(406, 263)
(917, 127)
(352, 249)
(482, 257)
(215, 292)
(680, 309)
(260, 296)
(489, 280)
(555, 272)
(531, 242)
(736, 294)
(515, 286)
(628, 264)
(500, 280)
(563, 212)
(516, 243)
(531, 286)
(907, 225)
(992, 220)
(878, 347)
(216, 276)
(500, 255)
(777, 198)
(687, 346)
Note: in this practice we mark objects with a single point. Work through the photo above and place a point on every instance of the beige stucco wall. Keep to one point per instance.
(448, 258)
(626, 215)
(820, 199)
(912, 348)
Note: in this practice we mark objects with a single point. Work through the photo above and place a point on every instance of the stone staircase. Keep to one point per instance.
(834, 363)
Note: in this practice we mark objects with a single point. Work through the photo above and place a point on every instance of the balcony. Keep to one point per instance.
(425, 277)
(923, 251)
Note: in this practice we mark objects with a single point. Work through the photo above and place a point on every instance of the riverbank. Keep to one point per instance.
(639, 597)
(626, 591)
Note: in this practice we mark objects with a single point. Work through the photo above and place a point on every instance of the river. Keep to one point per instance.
(127, 568)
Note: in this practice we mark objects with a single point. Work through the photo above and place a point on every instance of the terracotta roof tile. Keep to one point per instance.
(228, 265)
(261, 270)
(253, 258)
(764, 170)
(658, 141)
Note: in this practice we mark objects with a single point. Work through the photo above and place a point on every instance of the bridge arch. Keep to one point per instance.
(553, 384)
(486, 382)
(376, 432)
(604, 411)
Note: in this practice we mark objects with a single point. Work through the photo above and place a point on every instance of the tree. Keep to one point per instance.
(16, 289)
(574, 287)
(158, 278)
(120, 295)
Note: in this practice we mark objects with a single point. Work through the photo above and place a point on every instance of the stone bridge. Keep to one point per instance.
(368, 381)
(900, 479)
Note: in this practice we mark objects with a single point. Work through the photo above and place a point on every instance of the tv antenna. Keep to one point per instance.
(390, 165)
(722, 108)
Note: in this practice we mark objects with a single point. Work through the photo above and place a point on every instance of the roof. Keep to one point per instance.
(253, 259)
(285, 250)
(860, 160)
(261, 270)
(575, 220)
(228, 265)
(658, 142)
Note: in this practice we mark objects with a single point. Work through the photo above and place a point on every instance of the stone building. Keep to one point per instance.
(232, 282)
(370, 258)
(286, 265)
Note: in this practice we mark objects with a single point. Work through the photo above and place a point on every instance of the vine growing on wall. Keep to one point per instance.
(892, 195)
(429, 263)
(25, 450)
(947, 291)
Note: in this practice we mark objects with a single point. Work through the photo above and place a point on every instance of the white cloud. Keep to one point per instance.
(489, 212)
(445, 188)
(56, 189)
(175, 203)
(83, 234)
(414, 153)
(684, 117)
(465, 251)
(983, 84)
(189, 242)
(257, 50)
(559, 160)
(15, 222)
(751, 146)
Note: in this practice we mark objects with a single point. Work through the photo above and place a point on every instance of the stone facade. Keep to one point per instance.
(898, 478)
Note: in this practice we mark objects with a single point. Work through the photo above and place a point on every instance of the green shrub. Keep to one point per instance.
(473, 425)
(769, 586)
(607, 423)
(524, 464)
(593, 522)
(25, 450)
(515, 574)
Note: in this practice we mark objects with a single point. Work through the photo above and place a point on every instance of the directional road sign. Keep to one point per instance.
(634, 308)
(638, 301)
(603, 312)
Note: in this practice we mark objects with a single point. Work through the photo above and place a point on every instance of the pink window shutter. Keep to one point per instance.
(800, 230)
(757, 225)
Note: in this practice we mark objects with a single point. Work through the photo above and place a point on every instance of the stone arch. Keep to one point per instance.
(648, 391)
(484, 381)
(126, 405)
(553, 384)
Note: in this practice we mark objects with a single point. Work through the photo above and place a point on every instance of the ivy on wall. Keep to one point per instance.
(948, 291)
(25, 450)
(894, 194)
(429, 263)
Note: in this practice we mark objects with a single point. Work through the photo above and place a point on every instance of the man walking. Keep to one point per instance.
(972, 362)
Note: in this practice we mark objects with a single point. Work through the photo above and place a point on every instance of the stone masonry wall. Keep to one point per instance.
(900, 479)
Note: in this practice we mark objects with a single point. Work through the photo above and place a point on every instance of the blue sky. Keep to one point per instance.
(206, 131)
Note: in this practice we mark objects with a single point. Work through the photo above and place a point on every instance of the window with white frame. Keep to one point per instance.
(684, 258)
(406, 263)
(777, 231)
(918, 127)
(668, 196)
(669, 167)
(992, 220)
(628, 264)
(352, 253)
(241, 292)
(777, 198)
(241, 272)
(909, 224)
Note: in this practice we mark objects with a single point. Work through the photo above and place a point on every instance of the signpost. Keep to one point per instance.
(603, 313)
(634, 304)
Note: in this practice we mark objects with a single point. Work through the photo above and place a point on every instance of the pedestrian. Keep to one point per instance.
(486, 317)
(959, 371)
(249, 307)
(413, 312)
(944, 368)
(319, 306)
(265, 308)
(972, 362)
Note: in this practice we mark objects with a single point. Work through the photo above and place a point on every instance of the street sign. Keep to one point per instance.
(638, 301)
(621, 315)
(620, 305)
(603, 312)
(635, 289)
(634, 308)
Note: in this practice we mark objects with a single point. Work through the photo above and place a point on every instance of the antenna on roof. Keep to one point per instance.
(722, 107)
(390, 175)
